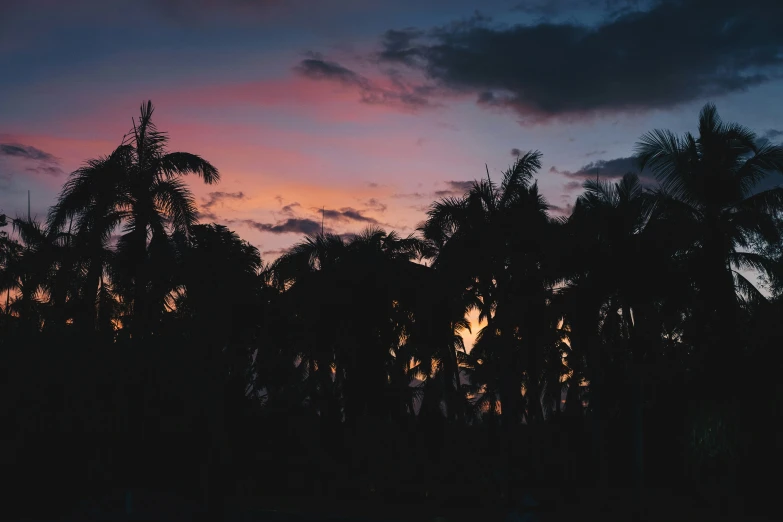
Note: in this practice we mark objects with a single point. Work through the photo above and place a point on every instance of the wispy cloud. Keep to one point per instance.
(399, 92)
(274, 252)
(288, 226)
(37, 160)
(453, 188)
(214, 199)
(376, 205)
(289, 209)
(612, 169)
(346, 214)
(460, 186)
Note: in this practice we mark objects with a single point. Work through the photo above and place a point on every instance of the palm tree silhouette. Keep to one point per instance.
(708, 181)
(139, 185)
(97, 197)
(350, 348)
(621, 230)
(43, 271)
(481, 239)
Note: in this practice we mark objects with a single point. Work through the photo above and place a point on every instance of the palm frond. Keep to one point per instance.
(754, 261)
(667, 157)
(183, 163)
(519, 175)
(748, 292)
(175, 200)
(766, 160)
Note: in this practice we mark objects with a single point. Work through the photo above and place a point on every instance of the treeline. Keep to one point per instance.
(624, 345)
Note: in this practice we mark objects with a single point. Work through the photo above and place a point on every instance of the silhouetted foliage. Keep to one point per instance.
(624, 344)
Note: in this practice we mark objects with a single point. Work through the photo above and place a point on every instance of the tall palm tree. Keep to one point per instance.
(350, 305)
(96, 196)
(139, 185)
(490, 242)
(712, 179)
(621, 231)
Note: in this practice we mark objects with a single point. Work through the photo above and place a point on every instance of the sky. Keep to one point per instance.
(371, 109)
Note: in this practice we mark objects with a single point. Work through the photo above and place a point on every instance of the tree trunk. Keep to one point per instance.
(139, 321)
(91, 293)
(533, 393)
(637, 396)
(597, 413)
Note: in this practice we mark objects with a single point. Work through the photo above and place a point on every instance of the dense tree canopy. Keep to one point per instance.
(630, 329)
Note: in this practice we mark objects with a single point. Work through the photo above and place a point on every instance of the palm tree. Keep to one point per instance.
(711, 179)
(351, 309)
(139, 185)
(96, 196)
(52, 262)
(491, 242)
(620, 231)
(493, 245)
(42, 271)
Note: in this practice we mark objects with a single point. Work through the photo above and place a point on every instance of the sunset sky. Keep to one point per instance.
(371, 109)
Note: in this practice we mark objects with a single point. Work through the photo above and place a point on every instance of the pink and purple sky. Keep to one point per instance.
(371, 109)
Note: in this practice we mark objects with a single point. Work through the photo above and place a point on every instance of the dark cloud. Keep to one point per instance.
(772, 136)
(595, 153)
(399, 46)
(51, 170)
(454, 188)
(347, 214)
(289, 209)
(318, 69)
(516, 152)
(625, 62)
(460, 186)
(26, 152)
(376, 205)
(289, 226)
(607, 169)
(403, 94)
(274, 253)
(213, 199)
(42, 162)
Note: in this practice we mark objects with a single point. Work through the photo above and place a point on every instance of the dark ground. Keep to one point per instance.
(553, 506)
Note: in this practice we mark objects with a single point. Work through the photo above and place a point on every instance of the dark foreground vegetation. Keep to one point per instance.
(626, 355)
